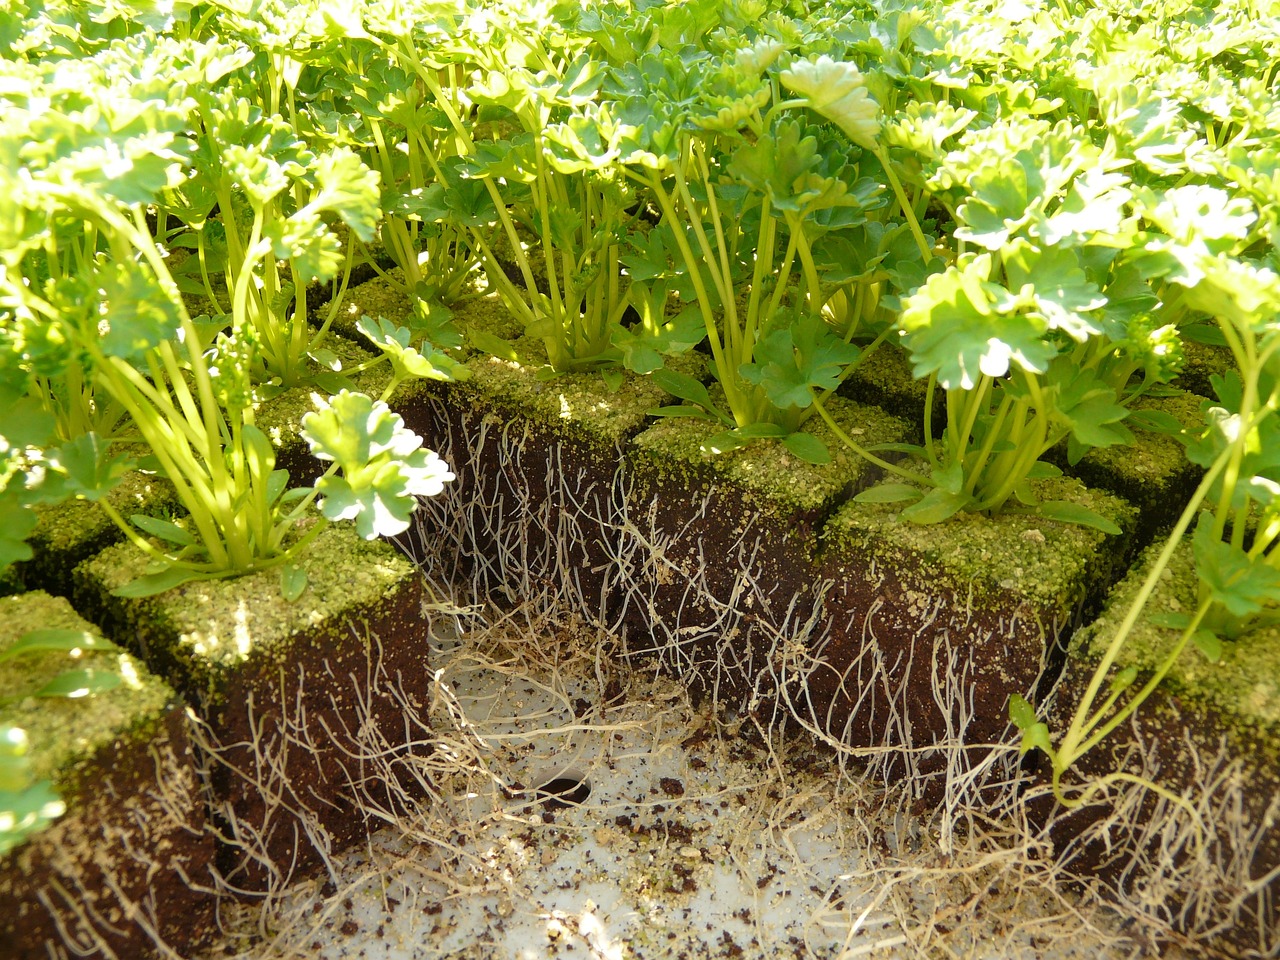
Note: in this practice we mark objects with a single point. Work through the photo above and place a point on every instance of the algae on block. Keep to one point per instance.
(311, 708)
(115, 871)
(934, 627)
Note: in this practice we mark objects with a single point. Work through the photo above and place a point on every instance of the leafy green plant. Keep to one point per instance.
(190, 397)
(27, 804)
(1234, 540)
(746, 190)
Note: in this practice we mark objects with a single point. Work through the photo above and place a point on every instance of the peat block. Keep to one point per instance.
(1152, 473)
(75, 530)
(127, 868)
(1210, 734)
(716, 571)
(933, 628)
(311, 709)
(536, 458)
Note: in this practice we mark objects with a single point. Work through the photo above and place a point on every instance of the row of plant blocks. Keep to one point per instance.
(305, 722)
(751, 574)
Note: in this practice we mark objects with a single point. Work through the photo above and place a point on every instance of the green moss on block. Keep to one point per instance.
(1049, 564)
(885, 379)
(1153, 472)
(577, 403)
(769, 477)
(1203, 362)
(1244, 684)
(200, 632)
(66, 733)
(69, 532)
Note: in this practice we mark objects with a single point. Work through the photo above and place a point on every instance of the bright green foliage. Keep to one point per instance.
(383, 466)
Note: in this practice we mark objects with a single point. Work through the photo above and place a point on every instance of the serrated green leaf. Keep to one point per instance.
(350, 189)
(952, 326)
(55, 640)
(17, 521)
(74, 684)
(1068, 512)
(89, 470)
(1239, 583)
(792, 361)
(837, 90)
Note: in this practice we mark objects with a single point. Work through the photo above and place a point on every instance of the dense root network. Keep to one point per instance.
(754, 653)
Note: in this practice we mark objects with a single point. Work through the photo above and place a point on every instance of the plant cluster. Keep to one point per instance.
(1043, 203)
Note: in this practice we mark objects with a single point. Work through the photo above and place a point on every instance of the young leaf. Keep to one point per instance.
(889, 493)
(68, 641)
(1068, 512)
(791, 360)
(1124, 679)
(163, 529)
(75, 684)
(151, 584)
(838, 92)
(684, 387)
(1035, 734)
(935, 506)
(953, 326)
(1209, 644)
(496, 346)
(293, 580)
(383, 465)
(1239, 583)
(807, 447)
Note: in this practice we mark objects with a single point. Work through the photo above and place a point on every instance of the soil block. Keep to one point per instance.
(1210, 733)
(128, 865)
(75, 530)
(536, 457)
(312, 711)
(933, 628)
(715, 575)
(1153, 473)
(884, 379)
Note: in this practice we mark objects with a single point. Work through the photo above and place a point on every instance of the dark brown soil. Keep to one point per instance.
(129, 863)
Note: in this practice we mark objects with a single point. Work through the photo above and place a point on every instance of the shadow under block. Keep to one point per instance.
(934, 627)
(1210, 733)
(128, 865)
(311, 711)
